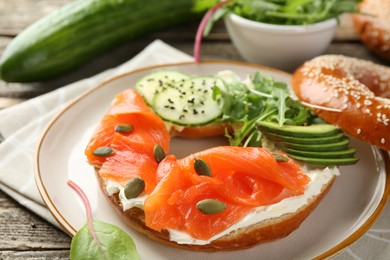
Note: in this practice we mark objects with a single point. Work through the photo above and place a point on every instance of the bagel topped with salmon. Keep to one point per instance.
(280, 161)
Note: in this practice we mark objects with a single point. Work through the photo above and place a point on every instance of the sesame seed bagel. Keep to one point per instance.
(372, 26)
(350, 93)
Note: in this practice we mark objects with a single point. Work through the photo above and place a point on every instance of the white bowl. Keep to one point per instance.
(280, 46)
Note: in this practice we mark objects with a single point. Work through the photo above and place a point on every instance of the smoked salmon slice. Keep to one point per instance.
(129, 108)
(242, 178)
(176, 180)
(131, 159)
(252, 161)
(172, 203)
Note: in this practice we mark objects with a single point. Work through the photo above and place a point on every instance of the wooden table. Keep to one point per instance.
(23, 235)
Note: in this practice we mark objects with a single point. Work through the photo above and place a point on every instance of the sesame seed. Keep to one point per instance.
(367, 102)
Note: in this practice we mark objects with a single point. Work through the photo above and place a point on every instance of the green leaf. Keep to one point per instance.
(281, 96)
(113, 243)
(201, 6)
(215, 17)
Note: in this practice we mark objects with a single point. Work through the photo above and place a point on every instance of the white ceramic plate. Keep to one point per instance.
(350, 208)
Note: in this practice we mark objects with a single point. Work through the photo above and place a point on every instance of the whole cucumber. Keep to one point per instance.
(83, 29)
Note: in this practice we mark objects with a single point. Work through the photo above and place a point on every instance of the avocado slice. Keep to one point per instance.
(325, 162)
(347, 153)
(302, 140)
(320, 130)
(336, 146)
(318, 144)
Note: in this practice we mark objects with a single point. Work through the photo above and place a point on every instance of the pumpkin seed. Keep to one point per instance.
(124, 128)
(211, 206)
(280, 158)
(202, 167)
(134, 187)
(159, 153)
(103, 151)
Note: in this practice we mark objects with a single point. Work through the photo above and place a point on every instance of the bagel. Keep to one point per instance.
(350, 93)
(266, 230)
(372, 26)
(299, 189)
(193, 132)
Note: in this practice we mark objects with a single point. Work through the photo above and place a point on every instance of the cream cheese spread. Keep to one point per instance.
(113, 187)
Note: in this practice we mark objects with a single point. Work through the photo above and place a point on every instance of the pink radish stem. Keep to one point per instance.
(202, 25)
(84, 198)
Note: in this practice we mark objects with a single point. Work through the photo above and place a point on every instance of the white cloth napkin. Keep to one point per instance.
(22, 125)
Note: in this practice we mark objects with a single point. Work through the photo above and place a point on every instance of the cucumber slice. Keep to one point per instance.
(155, 82)
(189, 103)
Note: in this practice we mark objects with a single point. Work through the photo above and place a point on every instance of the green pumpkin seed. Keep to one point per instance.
(280, 158)
(211, 206)
(103, 151)
(159, 153)
(124, 128)
(134, 187)
(202, 167)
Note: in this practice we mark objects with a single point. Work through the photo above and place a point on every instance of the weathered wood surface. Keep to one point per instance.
(23, 235)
